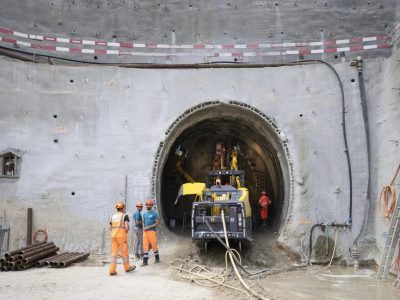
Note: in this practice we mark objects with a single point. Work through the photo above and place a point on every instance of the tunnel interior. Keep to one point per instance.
(197, 138)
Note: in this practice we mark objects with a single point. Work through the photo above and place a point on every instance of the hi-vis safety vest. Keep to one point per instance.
(118, 225)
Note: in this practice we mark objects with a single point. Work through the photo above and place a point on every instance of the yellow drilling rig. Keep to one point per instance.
(223, 189)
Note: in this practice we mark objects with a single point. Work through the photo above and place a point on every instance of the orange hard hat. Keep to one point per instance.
(140, 204)
(150, 202)
(119, 205)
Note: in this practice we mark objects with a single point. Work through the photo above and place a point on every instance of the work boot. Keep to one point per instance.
(145, 262)
(113, 274)
(157, 261)
(131, 268)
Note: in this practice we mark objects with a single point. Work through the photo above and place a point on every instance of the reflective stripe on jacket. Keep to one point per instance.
(118, 225)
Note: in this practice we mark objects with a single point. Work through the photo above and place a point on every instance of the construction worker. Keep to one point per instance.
(150, 221)
(238, 183)
(264, 203)
(137, 216)
(234, 159)
(119, 227)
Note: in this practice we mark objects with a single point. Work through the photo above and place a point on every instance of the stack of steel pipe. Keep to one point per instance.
(62, 260)
(26, 257)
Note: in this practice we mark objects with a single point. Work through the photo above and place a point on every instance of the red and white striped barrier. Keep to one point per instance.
(71, 45)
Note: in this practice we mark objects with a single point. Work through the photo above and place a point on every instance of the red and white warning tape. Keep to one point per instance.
(48, 43)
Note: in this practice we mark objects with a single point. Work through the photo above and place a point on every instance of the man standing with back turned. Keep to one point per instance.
(150, 222)
(119, 227)
(137, 217)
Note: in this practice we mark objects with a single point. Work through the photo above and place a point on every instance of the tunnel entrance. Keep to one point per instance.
(261, 155)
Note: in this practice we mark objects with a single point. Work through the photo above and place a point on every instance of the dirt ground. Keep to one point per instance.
(90, 280)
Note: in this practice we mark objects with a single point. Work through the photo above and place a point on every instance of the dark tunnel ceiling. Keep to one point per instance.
(200, 139)
(228, 130)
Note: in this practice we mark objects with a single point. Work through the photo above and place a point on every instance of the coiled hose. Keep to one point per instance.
(389, 190)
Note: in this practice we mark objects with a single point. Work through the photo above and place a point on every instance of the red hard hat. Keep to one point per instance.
(150, 202)
(140, 204)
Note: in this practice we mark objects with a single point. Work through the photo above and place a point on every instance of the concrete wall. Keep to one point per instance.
(111, 120)
(199, 22)
(383, 83)
(177, 21)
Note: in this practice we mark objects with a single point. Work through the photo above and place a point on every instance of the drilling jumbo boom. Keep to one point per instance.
(223, 190)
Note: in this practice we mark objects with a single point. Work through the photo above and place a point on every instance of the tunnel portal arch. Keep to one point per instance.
(264, 156)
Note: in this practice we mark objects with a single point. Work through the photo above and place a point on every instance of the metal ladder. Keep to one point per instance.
(391, 243)
(3, 232)
(396, 283)
(261, 181)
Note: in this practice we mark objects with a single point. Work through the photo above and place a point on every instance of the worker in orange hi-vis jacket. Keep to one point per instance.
(119, 227)
(264, 203)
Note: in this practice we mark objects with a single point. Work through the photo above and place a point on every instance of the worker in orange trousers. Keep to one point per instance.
(150, 221)
(119, 227)
(264, 203)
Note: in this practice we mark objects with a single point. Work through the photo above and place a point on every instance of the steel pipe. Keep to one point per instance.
(42, 262)
(14, 252)
(74, 259)
(32, 253)
(13, 258)
(52, 262)
(58, 263)
(34, 248)
(13, 264)
(40, 255)
(62, 257)
(26, 266)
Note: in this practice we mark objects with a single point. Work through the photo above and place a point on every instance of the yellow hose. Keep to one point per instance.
(195, 275)
(233, 262)
(203, 277)
(334, 249)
